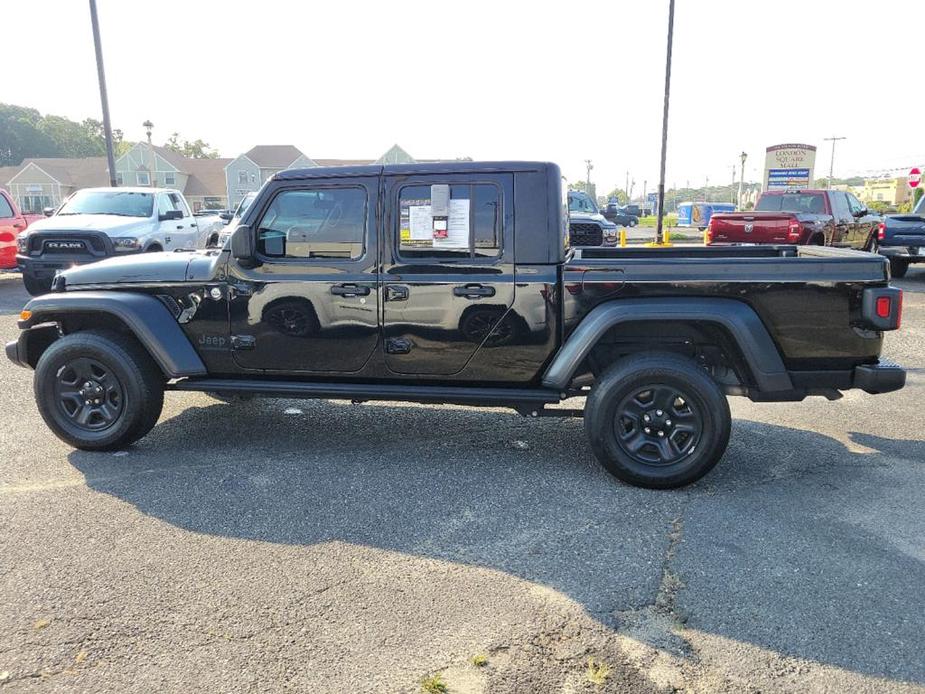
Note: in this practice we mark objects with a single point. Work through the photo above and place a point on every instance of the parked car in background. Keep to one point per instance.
(901, 238)
(698, 214)
(622, 216)
(97, 223)
(12, 223)
(230, 220)
(587, 226)
(803, 217)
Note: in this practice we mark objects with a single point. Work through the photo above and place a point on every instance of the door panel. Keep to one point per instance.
(311, 305)
(444, 299)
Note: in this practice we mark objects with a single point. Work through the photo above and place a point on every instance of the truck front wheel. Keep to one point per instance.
(98, 391)
(657, 421)
(36, 286)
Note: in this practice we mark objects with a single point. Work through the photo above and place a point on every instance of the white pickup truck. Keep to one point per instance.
(97, 223)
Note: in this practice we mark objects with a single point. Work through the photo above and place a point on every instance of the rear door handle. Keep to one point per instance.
(349, 290)
(473, 291)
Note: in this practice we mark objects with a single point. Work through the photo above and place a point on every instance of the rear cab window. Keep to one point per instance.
(6, 210)
(809, 203)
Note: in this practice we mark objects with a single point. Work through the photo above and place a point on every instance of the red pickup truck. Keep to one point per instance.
(12, 222)
(804, 217)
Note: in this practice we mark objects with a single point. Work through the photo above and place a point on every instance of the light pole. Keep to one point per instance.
(659, 238)
(104, 99)
(588, 167)
(743, 157)
(833, 140)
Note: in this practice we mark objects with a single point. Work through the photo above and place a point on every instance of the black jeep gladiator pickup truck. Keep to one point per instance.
(455, 283)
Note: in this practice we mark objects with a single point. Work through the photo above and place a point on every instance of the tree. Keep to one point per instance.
(21, 137)
(74, 139)
(619, 194)
(197, 149)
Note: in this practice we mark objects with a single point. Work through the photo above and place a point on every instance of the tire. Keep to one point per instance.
(154, 248)
(113, 371)
(898, 267)
(873, 246)
(633, 223)
(679, 398)
(212, 242)
(36, 286)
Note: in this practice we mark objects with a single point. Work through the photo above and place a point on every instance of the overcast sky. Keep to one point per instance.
(560, 81)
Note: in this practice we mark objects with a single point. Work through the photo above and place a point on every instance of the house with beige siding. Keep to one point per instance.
(45, 182)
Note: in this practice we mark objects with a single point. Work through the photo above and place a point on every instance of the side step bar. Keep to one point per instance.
(518, 398)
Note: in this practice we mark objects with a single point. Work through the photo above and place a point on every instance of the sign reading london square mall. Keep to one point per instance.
(789, 166)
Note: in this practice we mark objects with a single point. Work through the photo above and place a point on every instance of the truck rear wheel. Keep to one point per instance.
(657, 421)
(98, 391)
(898, 267)
(36, 286)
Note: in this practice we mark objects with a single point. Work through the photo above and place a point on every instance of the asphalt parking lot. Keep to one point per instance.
(323, 546)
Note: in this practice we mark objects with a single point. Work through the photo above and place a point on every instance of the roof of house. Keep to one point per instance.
(273, 156)
(206, 177)
(175, 158)
(343, 162)
(78, 173)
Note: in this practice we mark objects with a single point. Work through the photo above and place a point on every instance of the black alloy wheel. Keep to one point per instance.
(89, 394)
(658, 424)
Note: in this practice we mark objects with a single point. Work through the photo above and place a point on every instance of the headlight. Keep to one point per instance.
(22, 243)
(125, 244)
(611, 232)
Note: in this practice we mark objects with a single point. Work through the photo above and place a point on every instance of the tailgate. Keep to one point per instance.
(748, 228)
(904, 230)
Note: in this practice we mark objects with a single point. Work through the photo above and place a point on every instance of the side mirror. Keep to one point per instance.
(242, 245)
(48, 211)
(225, 216)
(170, 214)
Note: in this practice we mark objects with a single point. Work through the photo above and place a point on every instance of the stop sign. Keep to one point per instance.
(915, 177)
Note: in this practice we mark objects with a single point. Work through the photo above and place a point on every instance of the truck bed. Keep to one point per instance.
(808, 297)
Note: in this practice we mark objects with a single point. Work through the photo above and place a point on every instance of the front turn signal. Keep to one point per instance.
(25, 315)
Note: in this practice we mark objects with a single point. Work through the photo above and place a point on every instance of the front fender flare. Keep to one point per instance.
(739, 319)
(144, 315)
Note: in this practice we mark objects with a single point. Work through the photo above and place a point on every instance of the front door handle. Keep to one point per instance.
(396, 292)
(349, 290)
(473, 291)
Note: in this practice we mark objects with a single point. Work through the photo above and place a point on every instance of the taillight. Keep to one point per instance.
(881, 231)
(708, 236)
(882, 308)
(794, 231)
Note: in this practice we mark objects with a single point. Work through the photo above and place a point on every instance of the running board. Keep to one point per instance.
(518, 398)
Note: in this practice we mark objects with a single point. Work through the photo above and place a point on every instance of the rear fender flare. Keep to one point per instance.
(739, 319)
(144, 315)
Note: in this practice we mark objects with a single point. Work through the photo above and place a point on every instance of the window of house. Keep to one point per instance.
(143, 178)
(119, 181)
(314, 223)
(6, 209)
(170, 179)
(474, 227)
(242, 177)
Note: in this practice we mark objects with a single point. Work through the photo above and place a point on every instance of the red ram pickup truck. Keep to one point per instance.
(12, 223)
(803, 217)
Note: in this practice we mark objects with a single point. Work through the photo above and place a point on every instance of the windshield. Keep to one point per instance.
(920, 206)
(579, 202)
(245, 203)
(115, 202)
(811, 203)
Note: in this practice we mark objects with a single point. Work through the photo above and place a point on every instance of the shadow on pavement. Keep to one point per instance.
(791, 544)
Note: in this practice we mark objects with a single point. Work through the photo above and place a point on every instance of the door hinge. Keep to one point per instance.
(243, 342)
(398, 345)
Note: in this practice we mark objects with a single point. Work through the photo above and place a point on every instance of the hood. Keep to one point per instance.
(110, 223)
(588, 217)
(140, 267)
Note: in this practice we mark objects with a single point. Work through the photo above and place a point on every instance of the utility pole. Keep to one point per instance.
(626, 188)
(706, 190)
(743, 157)
(833, 140)
(733, 189)
(588, 167)
(659, 238)
(101, 74)
(645, 185)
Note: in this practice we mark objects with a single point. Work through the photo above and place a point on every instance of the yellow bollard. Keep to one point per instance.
(706, 238)
(666, 237)
(622, 238)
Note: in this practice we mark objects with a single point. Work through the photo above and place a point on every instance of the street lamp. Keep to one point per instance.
(743, 157)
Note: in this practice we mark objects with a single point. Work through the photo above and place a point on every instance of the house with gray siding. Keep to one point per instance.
(248, 171)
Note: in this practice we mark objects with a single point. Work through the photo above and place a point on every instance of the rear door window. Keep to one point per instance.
(5, 209)
(474, 226)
